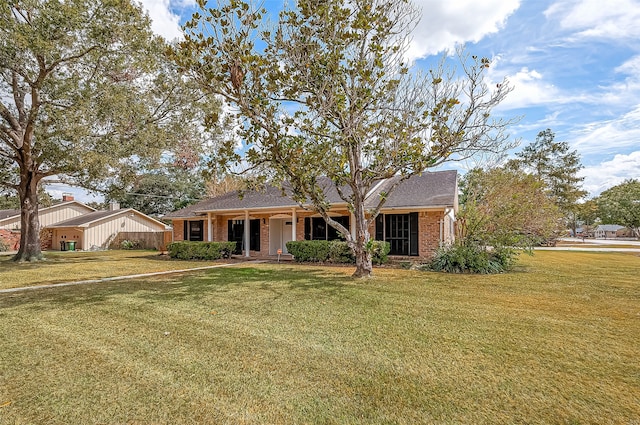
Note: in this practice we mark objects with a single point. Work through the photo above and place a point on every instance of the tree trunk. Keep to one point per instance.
(29, 224)
(364, 265)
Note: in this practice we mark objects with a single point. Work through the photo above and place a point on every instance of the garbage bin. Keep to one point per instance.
(71, 245)
(63, 246)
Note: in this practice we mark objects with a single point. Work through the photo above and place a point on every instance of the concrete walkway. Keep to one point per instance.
(111, 279)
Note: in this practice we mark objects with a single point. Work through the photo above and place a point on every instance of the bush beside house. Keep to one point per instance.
(185, 250)
(319, 251)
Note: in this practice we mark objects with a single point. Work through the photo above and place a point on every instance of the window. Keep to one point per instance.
(400, 230)
(194, 230)
(236, 234)
(316, 228)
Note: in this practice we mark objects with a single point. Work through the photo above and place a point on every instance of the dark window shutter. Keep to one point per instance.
(230, 230)
(185, 231)
(254, 235)
(413, 234)
(307, 228)
(380, 227)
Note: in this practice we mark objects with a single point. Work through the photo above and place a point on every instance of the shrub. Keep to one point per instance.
(185, 250)
(127, 244)
(3, 246)
(473, 259)
(380, 251)
(333, 251)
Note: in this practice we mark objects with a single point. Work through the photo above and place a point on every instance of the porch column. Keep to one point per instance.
(247, 227)
(209, 228)
(294, 219)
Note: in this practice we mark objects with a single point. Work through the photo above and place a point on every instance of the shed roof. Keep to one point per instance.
(86, 220)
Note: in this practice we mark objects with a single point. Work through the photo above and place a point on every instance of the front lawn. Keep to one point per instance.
(554, 342)
(73, 266)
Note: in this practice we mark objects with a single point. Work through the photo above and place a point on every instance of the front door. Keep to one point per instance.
(279, 235)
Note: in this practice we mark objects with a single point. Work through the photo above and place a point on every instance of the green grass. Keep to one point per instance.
(72, 266)
(554, 342)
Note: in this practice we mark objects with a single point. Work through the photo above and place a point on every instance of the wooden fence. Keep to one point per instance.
(143, 240)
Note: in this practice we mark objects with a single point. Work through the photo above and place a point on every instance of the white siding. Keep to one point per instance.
(55, 215)
(101, 233)
(49, 216)
(10, 224)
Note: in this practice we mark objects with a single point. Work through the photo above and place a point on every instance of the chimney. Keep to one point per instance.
(66, 197)
(114, 206)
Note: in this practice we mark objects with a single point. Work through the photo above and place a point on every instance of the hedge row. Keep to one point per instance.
(333, 251)
(185, 250)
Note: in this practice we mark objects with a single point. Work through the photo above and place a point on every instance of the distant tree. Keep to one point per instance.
(587, 213)
(164, 190)
(327, 92)
(85, 91)
(221, 184)
(621, 205)
(10, 201)
(501, 207)
(557, 166)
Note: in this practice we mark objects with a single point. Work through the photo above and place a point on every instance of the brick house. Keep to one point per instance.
(417, 218)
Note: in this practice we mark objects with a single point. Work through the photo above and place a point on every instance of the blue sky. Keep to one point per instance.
(575, 66)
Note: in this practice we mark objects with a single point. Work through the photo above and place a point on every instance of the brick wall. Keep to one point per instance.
(10, 238)
(178, 230)
(46, 239)
(429, 232)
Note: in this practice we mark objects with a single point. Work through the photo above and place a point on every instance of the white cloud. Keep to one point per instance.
(613, 19)
(611, 173)
(163, 21)
(610, 136)
(530, 89)
(447, 23)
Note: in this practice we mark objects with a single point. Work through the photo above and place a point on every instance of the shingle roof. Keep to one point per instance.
(8, 213)
(431, 189)
(85, 219)
(609, 227)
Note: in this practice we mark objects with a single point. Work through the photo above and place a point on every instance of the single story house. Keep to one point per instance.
(612, 231)
(417, 218)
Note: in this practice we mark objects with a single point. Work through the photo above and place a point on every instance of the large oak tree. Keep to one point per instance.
(84, 91)
(327, 91)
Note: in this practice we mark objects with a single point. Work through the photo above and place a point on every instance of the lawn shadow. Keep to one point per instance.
(182, 286)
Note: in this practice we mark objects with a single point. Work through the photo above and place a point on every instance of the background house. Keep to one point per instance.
(417, 218)
(71, 220)
(609, 231)
(101, 229)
